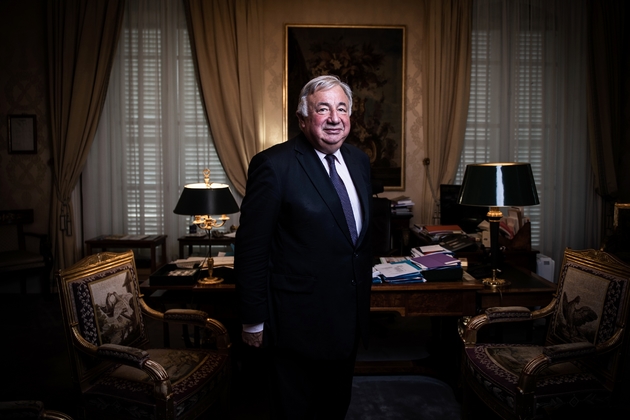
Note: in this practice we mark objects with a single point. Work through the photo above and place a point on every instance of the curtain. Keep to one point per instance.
(153, 137)
(82, 37)
(528, 104)
(445, 91)
(604, 93)
(226, 36)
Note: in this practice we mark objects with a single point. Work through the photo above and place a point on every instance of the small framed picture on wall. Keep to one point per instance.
(22, 134)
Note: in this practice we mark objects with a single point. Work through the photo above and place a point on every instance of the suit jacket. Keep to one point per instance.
(296, 267)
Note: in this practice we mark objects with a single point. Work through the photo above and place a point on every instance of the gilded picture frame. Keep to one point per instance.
(371, 59)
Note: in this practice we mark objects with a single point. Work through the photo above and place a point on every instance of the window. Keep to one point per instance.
(153, 137)
(505, 117)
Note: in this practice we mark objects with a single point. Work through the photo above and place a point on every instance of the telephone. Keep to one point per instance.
(457, 242)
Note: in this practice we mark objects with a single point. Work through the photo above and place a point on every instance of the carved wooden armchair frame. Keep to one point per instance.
(99, 350)
(600, 357)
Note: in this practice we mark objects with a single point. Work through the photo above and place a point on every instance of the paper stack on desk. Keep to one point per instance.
(398, 272)
(436, 261)
(439, 267)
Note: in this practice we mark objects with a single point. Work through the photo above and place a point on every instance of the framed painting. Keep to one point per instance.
(370, 59)
(22, 134)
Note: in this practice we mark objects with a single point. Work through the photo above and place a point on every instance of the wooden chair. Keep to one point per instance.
(19, 257)
(116, 375)
(580, 364)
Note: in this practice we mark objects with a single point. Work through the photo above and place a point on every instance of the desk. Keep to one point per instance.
(191, 241)
(453, 298)
(436, 299)
(105, 242)
(526, 288)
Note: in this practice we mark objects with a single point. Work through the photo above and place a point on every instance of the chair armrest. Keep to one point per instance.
(551, 355)
(557, 354)
(508, 314)
(126, 355)
(192, 317)
(129, 356)
(139, 359)
(569, 351)
(494, 315)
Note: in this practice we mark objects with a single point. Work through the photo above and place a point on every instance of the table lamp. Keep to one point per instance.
(497, 185)
(202, 200)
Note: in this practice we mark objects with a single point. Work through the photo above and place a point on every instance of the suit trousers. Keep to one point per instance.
(306, 389)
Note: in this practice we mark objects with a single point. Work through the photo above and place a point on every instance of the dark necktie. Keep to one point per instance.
(343, 196)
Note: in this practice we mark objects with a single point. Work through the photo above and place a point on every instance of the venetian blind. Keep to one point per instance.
(153, 137)
(505, 113)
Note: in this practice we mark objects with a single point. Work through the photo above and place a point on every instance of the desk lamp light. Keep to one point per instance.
(200, 201)
(497, 185)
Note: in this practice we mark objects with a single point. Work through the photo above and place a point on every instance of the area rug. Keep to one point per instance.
(402, 398)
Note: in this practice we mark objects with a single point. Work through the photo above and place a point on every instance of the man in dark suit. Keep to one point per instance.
(303, 257)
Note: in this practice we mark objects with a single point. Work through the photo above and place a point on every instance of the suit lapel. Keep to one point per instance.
(314, 169)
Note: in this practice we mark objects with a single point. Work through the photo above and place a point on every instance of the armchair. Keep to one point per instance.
(115, 373)
(580, 364)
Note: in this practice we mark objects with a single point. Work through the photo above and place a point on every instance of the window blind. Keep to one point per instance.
(505, 117)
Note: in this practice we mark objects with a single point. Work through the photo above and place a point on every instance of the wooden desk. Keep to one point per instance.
(526, 288)
(191, 241)
(105, 242)
(444, 301)
(452, 298)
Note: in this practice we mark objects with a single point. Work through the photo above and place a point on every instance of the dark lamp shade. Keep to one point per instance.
(198, 199)
(498, 185)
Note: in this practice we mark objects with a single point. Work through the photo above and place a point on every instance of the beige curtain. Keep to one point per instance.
(446, 60)
(226, 37)
(82, 38)
(604, 94)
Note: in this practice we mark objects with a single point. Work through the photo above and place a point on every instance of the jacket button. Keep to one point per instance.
(354, 283)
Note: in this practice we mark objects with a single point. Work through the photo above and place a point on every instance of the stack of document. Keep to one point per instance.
(429, 249)
(436, 261)
(439, 266)
(397, 272)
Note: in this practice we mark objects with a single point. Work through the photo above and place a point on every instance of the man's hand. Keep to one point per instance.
(252, 339)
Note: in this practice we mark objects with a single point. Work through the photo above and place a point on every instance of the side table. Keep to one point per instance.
(105, 242)
(191, 241)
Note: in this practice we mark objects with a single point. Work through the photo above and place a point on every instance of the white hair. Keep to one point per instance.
(322, 83)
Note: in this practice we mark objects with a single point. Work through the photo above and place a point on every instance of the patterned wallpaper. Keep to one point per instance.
(25, 179)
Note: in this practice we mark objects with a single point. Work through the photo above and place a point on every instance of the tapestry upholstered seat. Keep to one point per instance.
(115, 373)
(580, 363)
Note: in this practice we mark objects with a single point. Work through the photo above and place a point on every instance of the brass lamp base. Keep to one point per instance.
(210, 280)
(494, 281)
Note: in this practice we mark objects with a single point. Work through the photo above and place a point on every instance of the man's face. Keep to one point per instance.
(328, 121)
